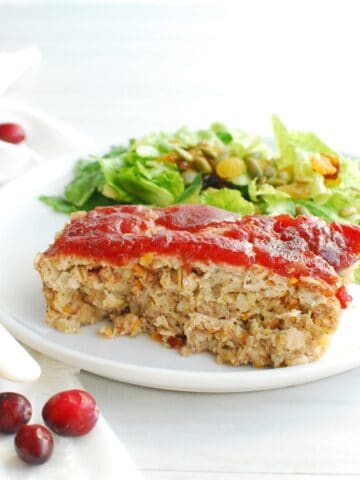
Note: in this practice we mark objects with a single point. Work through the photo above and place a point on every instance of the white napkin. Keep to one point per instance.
(13, 65)
(100, 454)
(46, 139)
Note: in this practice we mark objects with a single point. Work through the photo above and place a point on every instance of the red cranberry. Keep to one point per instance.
(12, 133)
(71, 413)
(176, 342)
(15, 411)
(34, 444)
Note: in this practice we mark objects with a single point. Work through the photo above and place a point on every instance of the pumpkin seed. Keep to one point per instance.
(270, 171)
(253, 167)
(301, 210)
(209, 151)
(275, 182)
(281, 179)
(202, 164)
(284, 176)
(184, 154)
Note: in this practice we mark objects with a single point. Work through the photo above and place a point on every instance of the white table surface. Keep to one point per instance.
(118, 69)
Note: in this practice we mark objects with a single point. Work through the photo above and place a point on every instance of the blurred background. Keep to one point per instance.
(115, 69)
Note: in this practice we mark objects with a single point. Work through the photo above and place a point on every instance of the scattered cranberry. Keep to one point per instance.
(15, 411)
(12, 133)
(34, 444)
(71, 413)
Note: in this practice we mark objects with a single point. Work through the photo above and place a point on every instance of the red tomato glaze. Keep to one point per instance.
(343, 296)
(292, 247)
(193, 218)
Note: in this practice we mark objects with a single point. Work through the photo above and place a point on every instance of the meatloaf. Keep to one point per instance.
(259, 290)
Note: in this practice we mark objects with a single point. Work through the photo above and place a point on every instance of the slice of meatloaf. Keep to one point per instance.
(257, 290)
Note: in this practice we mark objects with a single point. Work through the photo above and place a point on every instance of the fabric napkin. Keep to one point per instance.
(46, 139)
(100, 454)
(14, 64)
(97, 456)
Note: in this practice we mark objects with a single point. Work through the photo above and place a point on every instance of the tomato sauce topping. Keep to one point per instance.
(293, 247)
(193, 218)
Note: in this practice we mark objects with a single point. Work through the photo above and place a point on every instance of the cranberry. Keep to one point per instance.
(34, 444)
(15, 411)
(11, 132)
(176, 342)
(71, 413)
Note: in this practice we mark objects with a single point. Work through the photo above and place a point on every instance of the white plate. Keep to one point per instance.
(27, 227)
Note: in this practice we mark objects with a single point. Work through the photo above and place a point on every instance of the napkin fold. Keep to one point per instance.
(100, 454)
(14, 64)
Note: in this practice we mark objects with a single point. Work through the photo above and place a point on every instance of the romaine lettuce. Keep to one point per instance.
(155, 169)
(227, 199)
(88, 178)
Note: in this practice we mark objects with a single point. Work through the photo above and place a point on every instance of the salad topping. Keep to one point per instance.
(222, 167)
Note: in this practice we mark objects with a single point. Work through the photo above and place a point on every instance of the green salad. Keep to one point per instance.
(224, 167)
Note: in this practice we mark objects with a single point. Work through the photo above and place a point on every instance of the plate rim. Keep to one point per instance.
(157, 377)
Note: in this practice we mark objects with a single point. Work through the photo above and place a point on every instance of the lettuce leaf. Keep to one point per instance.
(273, 201)
(59, 204)
(88, 178)
(151, 183)
(311, 143)
(290, 143)
(286, 149)
(325, 198)
(319, 210)
(111, 166)
(295, 150)
(357, 275)
(191, 193)
(227, 199)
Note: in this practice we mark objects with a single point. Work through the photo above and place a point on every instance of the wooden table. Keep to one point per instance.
(114, 70)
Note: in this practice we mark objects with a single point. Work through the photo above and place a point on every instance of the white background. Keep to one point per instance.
(117, 69)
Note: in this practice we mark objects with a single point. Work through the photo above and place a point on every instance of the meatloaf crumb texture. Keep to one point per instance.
(242, 315)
